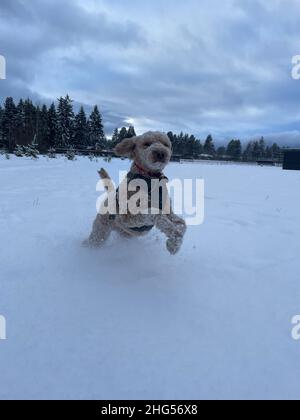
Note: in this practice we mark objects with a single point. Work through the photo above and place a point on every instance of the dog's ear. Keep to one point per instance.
(126, 148)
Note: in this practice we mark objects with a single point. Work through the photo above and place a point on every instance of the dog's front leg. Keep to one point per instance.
(102, 228)
(174, 228)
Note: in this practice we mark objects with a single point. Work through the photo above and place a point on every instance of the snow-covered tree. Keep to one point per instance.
(70, 154)
(19, 151)
(51, 153)
(32, 149)
(65, 123)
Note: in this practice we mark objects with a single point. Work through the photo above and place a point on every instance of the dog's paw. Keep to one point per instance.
(174, 245)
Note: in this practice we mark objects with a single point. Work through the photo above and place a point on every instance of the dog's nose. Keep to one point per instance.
(159, 156)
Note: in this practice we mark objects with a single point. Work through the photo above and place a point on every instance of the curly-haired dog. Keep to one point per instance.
(150, 153)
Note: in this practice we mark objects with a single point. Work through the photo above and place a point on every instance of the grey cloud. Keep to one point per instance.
(194, 67)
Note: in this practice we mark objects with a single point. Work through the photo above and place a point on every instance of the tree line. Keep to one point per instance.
(59, 127)
(189, 146)
(54, 127)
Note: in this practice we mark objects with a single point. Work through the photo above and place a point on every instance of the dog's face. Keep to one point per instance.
(151, 151)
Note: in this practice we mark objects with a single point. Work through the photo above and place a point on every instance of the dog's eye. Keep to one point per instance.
(147, 145)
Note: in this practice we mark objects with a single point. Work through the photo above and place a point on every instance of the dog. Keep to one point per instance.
(150, 153)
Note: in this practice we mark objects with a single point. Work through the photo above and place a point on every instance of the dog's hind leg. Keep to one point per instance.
(102, 229)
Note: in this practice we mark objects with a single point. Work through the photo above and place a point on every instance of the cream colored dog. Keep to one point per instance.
(150, 154)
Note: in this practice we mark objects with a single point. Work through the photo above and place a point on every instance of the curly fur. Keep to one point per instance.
(150, 153)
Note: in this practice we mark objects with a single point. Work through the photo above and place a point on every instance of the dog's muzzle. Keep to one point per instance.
(159, 156)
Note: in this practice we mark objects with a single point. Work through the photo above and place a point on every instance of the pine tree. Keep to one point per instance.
(42, 130)
(8, 119)
(248, 153)
(256, 150)
(131, 132)
(230, 148)
(97, 137)
(52, 127)
(209, 147)
(123, 134)
(81, 130)
(238, 149)
(262, 147)
(65, 123)
(198, 147)
(234, 149)
(171, 136)
(1, 128)
(268, 152)
(276, 152)
(185, 145)
(30, 114)
(19, 124)
(176, 143)
(115, 138)
(19, 151)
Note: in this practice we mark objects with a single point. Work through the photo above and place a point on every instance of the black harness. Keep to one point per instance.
(133, 176)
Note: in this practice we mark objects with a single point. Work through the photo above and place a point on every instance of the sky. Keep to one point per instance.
(198, 66)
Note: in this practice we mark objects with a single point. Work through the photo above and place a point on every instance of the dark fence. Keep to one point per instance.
(86, 152)
(175, 157)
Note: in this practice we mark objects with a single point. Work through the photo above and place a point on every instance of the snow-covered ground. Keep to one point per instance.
(130, 321)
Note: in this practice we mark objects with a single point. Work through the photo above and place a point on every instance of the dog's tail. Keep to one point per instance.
(108, 183)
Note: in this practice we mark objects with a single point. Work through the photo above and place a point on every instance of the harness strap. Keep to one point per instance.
(141, 229)
(132, 176)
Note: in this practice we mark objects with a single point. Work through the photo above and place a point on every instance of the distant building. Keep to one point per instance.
(291, 160)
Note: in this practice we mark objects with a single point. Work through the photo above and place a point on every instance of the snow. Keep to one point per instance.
(131, 322)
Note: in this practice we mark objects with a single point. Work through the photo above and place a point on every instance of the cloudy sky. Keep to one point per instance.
(196, 65)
